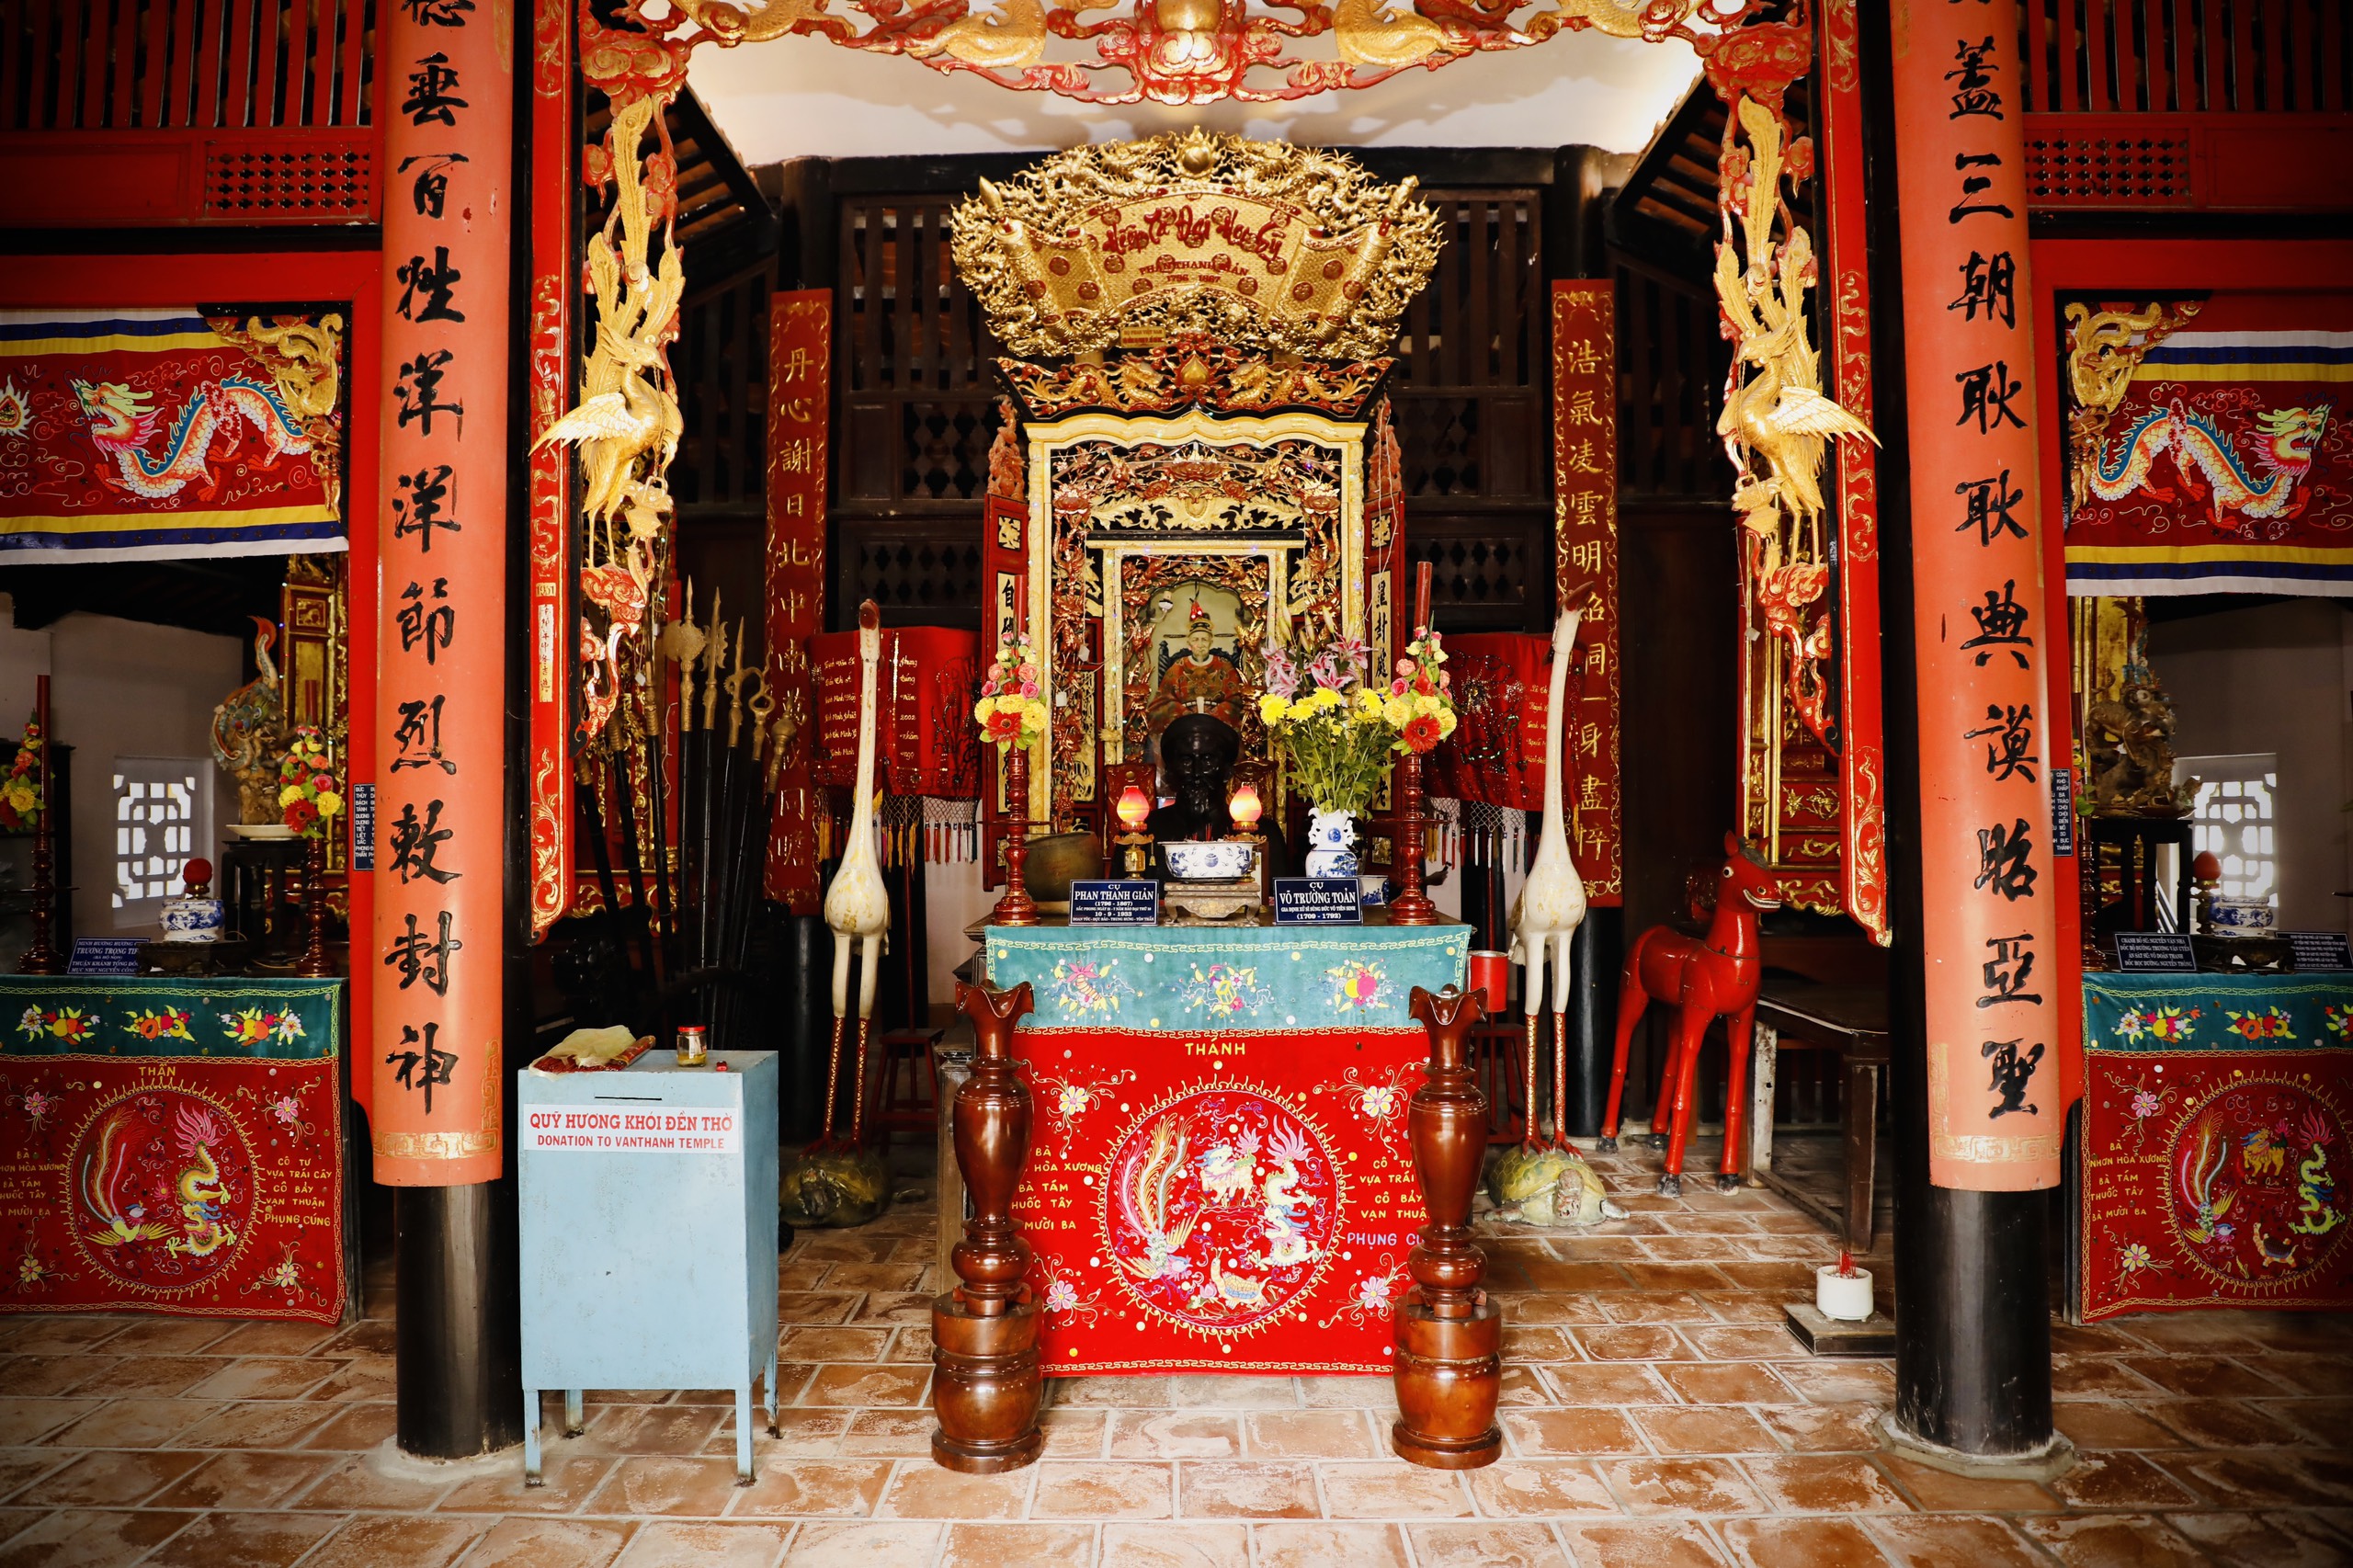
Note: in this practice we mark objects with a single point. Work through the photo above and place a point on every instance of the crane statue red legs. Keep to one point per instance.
(1703, 978)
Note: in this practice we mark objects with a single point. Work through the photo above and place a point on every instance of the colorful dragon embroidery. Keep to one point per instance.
(204, 433)
(2314, 1186)
(2205, 461)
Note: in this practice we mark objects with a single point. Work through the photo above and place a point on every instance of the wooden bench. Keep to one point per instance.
(1850, 1021)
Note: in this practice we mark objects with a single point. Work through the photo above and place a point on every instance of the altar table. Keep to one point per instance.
(2213, 1150)
(1219, 1178)
(174, 1146)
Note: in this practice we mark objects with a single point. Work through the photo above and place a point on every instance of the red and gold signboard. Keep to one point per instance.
(1996, 1114)
(434, 1060)
(1248, 1212)
(553, 198)
(1845, 282)
(1584, 543)
(801, 390)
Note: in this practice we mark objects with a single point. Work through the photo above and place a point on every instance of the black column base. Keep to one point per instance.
(457, 1371)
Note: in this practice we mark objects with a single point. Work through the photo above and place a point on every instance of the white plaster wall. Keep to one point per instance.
(2276, 678)
(120, 688)
(804, 97)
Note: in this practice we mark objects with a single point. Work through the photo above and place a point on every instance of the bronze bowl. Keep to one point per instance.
(1058, 859)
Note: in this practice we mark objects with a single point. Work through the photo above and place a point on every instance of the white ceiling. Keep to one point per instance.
(803, 98)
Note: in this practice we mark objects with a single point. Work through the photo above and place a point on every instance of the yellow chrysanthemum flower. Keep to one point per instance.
(1271, 709)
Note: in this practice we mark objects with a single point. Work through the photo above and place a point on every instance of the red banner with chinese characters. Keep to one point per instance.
(1585, 544)
(1996, 1114)
(1241, 1204)
(801, 383)
(436, 1055)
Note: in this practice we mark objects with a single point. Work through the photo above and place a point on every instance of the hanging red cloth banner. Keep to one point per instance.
(926, 741)
(1995, 1111)
(1495, 755)
(801, 337)
(434, 1058)
(1585, 545)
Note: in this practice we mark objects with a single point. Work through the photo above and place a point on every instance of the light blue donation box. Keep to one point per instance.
(648, 1234)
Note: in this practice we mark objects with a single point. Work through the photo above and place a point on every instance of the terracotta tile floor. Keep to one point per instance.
(1656, 1415)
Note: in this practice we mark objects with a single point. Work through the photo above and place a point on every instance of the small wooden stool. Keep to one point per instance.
(913, 1106)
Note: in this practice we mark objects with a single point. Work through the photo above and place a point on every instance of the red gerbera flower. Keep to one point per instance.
(1421, 731)
(1005, 727)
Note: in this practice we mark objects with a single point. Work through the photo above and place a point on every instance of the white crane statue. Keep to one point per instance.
(857, 906)
(1551, 903)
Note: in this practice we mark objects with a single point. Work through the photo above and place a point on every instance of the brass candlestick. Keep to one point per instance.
(313, 964)
(1016, 907)
(42, 956)
(1412, 906)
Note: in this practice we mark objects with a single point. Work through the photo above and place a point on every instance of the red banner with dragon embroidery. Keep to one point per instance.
(1236, 1204)
(1585, 544)
(2208, 448)
(799, 403)
(138, 434)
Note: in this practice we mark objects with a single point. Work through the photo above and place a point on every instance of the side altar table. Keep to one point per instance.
(1226, 1139)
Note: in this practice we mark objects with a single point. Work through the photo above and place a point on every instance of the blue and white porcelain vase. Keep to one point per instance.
(1331, 843)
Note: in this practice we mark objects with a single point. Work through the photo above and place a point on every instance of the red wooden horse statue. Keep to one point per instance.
(1703, 978)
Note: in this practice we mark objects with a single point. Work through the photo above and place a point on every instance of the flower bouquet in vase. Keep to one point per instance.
(20, 802)
(1336, 732)
(309, 801)
(1419, 706)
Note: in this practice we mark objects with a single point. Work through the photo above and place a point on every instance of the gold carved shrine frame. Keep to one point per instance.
(1123, 510)
(1803, 479)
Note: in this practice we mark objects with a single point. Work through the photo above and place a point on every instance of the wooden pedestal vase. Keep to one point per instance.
(987, 1383)
(1450, 1336)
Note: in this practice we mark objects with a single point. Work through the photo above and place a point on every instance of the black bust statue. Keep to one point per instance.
(1199, 751)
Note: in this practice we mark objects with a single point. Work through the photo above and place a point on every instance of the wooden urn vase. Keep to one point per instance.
(987, 1381)
(1450, 1336)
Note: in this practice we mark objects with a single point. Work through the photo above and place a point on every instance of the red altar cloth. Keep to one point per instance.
(1243, 1203)
(172, 1146)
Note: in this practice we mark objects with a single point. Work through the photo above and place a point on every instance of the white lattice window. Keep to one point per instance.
(163, 810)
(2234, 818)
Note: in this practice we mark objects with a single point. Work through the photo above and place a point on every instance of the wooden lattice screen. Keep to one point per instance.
(918, 413)
(2188, 56)
(213, 112)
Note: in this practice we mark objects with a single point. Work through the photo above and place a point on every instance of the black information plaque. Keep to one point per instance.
(1319, 901)
(2320, 950)
(1115, 903)
(2156, 952)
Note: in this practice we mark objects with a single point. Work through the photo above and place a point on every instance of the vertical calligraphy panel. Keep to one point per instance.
(801, 341)
(1585, 536)
(553, 198)
(1995, 1114)
(435, 1058)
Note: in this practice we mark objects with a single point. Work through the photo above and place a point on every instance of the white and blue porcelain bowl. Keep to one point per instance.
(1219, 861)
(2241, 914)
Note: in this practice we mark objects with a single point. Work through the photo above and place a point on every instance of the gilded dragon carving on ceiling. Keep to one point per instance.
(1197, 51)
